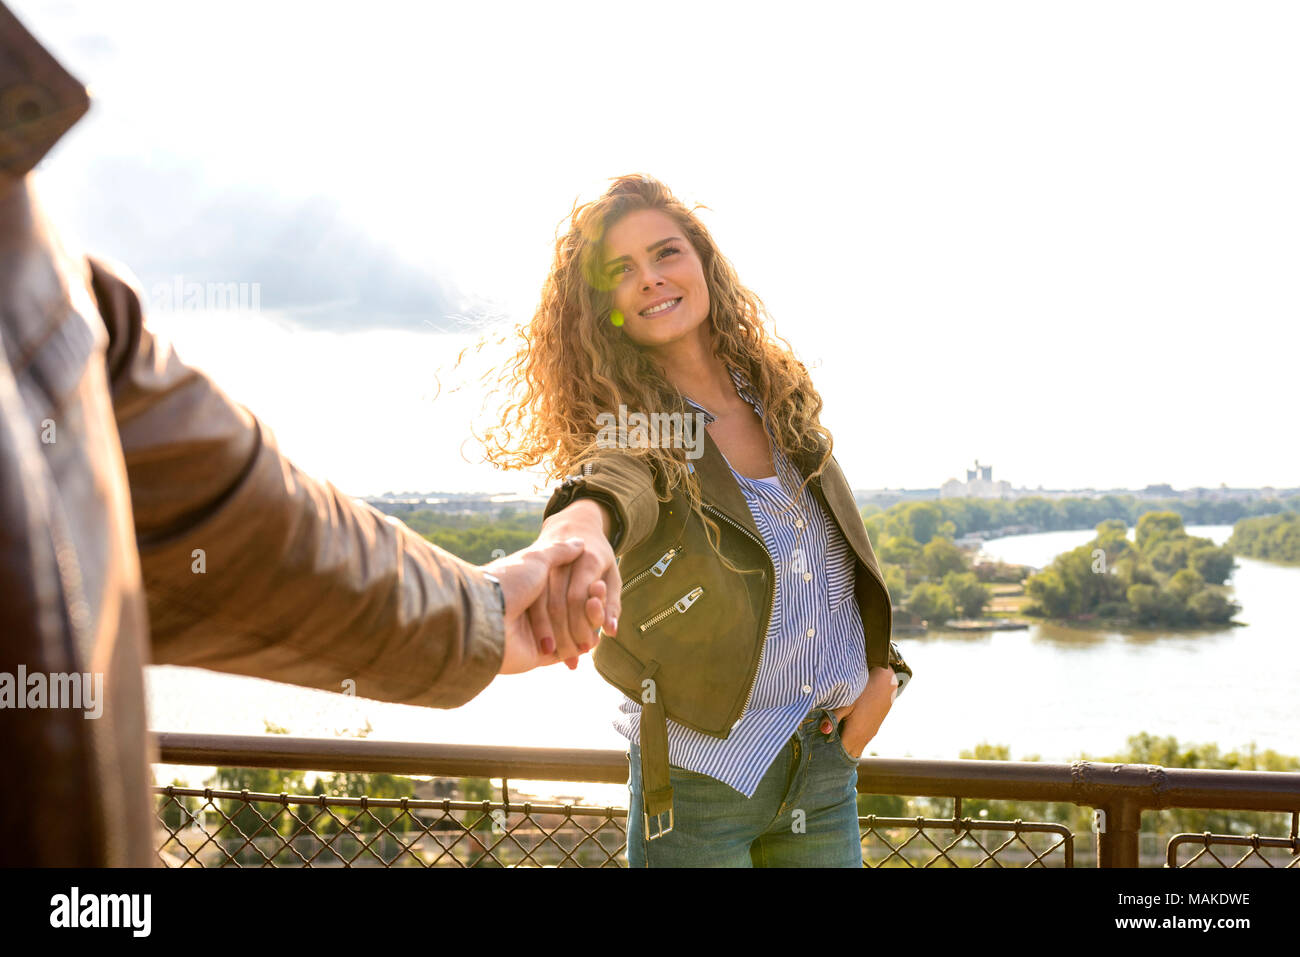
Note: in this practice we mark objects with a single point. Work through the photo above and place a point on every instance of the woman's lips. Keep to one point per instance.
(663, 312)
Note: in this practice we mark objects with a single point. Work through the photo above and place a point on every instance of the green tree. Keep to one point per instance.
(930, 602)
(967, 593)
(940, 557)
(1212, 563)
(895, 580)
(1211, 607)
(900, 550)
(1047, 588)
(1154, 527)
(921, 519)
(1169, 555)
(374, 785)
(256, 823)
(1185, 583)
(1148, 604)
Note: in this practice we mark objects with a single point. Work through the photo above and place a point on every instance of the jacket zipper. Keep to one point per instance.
(762, 648)
(680, 606)
(657, 569)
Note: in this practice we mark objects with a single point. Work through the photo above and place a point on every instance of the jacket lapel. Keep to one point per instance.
(833, 489)
(720, 489)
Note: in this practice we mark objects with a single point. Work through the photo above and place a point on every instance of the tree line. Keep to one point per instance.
(956, 517)
(1275, 538)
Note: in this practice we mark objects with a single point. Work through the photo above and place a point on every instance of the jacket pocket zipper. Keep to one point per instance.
(679, 607)
(657, 569)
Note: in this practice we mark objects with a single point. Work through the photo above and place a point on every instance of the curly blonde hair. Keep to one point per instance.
(573, 363)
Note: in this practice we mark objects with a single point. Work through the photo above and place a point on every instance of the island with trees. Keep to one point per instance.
(1164, 577)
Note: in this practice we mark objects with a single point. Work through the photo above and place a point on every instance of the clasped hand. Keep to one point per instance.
(560, 591)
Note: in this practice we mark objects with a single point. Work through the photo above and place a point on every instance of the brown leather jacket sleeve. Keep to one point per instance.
(251, 566)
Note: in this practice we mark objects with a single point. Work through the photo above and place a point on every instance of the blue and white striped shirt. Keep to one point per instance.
(814, 656)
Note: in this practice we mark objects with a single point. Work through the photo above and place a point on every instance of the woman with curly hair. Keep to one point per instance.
(754, 650)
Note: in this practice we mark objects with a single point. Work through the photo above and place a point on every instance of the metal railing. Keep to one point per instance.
(214, 827)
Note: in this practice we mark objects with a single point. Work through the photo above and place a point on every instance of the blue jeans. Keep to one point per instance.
(804, 813)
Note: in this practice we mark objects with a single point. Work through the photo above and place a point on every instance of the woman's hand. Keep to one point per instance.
(524, 578)
(867, 714)
(567, 611)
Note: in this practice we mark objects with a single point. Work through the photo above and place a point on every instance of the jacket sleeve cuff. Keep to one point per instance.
(484, 642)
(625, 486)
(563, 497)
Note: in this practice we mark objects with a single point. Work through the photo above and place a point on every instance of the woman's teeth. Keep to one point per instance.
(662, 308)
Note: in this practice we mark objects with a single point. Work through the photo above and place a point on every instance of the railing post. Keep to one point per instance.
(1117, 840)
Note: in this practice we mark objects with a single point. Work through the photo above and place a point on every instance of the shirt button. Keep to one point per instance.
(807, 576)
(798, 523)
(811, 632)
(807, 689)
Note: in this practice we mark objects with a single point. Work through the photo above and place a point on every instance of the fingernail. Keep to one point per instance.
(576, 541)
(572, 663)
(613, 626)
(548, 645)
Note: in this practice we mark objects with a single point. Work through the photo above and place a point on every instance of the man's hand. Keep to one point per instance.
(529, 641)
(867, 714)
(566, 611)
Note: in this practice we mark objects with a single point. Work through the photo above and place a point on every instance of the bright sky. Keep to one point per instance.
(1060, 237)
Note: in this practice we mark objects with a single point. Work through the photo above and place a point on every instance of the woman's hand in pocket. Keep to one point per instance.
(867, 714)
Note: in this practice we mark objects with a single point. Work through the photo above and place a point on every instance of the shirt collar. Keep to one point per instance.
(743, 388)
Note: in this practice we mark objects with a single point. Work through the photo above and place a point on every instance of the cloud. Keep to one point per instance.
(312, 263)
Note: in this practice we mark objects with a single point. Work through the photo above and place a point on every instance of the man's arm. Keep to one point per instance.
(253, 567)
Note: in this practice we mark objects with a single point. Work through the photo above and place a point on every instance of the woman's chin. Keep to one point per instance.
(649, 335)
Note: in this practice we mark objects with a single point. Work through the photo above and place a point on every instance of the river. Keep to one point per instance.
(1052, 690)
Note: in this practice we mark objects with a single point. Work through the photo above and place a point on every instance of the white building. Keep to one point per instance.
(979, 484)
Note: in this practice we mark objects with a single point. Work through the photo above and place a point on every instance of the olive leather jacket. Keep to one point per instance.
(691, 632)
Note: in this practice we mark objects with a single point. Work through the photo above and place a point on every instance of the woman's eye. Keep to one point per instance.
(617, 270)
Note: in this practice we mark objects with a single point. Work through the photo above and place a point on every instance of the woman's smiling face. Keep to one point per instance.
(657, 278)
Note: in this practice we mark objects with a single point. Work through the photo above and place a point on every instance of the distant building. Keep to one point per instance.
(979, 484)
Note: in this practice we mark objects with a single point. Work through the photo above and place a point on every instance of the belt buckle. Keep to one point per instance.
(661, 831)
